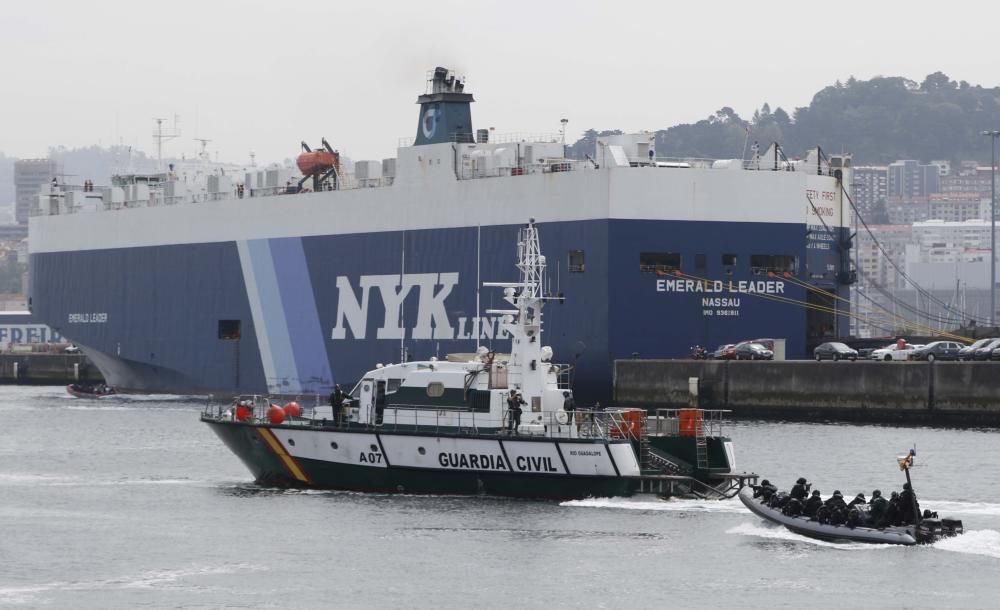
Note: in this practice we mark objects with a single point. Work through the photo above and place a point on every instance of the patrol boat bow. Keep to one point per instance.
(457, 427)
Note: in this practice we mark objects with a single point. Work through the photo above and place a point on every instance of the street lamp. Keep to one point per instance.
(993, 135)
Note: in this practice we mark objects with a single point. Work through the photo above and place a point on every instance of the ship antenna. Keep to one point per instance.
(160, 136)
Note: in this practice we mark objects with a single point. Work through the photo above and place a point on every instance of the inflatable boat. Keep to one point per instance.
(928, 530)
(90, 391)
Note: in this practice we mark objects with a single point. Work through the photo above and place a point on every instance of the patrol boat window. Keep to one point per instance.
(659, 262)
(435, 389)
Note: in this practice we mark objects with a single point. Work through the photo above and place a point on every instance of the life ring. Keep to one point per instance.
(562, 417)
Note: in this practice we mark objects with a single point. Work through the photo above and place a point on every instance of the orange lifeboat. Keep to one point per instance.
(316, 162)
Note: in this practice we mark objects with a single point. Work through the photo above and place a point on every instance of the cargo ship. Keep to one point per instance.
(291, 280)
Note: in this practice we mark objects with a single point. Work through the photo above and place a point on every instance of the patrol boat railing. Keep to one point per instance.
(601, 425)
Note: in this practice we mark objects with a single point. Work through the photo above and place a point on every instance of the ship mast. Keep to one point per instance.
(524, 322)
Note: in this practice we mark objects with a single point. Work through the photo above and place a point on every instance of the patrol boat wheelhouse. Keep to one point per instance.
(445, 427)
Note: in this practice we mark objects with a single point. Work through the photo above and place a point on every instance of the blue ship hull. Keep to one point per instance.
(296, 315)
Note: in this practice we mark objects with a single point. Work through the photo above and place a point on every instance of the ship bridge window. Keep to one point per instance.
(659, 262)
(435, 389)
(762, 264)
(229, 330)
(576, 264)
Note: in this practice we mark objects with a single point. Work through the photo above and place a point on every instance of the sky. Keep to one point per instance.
(263, 76)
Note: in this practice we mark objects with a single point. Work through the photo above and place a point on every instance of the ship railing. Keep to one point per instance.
(502, 138)
(675, 422)
(601, 425)
(468, 171)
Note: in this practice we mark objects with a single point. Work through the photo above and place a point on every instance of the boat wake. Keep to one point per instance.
(33, 480)
(965, 508)
(672, 505)
(974, 542)
(778, 532)
(150, 579)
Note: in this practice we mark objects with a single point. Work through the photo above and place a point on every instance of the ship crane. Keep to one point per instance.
(320, 166)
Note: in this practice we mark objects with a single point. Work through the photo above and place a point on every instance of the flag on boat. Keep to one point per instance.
(906, 461)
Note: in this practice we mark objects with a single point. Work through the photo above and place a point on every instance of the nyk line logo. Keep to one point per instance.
(432, 321)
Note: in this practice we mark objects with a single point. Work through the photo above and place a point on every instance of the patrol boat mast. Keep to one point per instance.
(530, 363)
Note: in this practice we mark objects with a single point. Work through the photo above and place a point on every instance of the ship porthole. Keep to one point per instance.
(291, 442)
(421, 450)
(374, 448)
(333, 446)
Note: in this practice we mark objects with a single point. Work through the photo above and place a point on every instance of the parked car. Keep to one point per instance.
(995, 354)
(724, 352)
(834, 351)
(885, 353)
(938, 350)
(753, 351)
(986, 352)
(968, 353)
(71, 349)
(767, 343)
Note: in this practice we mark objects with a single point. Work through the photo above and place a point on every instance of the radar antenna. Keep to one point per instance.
(160, 136)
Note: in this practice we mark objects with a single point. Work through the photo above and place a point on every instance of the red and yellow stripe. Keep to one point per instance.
(279, 450)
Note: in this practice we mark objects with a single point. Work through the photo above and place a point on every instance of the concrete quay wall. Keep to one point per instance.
(47, 369)
(959, 393)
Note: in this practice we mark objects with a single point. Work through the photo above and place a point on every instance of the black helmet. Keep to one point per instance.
(895, 494)
(801, 481)
(877, 493)
(566, 394)
(837, 494)
(765, 482)
(816, 492)
(906, 486)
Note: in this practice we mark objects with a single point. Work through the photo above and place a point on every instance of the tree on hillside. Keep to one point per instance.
(879, 120)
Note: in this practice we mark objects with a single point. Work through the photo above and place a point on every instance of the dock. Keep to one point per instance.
(47, 368)
(909, 393)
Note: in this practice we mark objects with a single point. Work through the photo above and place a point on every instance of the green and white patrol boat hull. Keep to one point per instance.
(363, 460)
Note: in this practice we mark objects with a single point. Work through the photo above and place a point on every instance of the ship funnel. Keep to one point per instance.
(445, 115)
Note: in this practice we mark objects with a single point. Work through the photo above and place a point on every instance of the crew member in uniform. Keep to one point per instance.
(569, 406)
(813, 503)
(800, 490)
(878, 507)
(514, 408)
(337, 403)
(908, 506)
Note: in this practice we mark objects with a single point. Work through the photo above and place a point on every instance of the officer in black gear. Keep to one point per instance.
(878, 506)
(337, 403)
(858, 499)
(812, 504)
(838, 508)
(514, 410)
(908, 506)
(793, 508)
(893, 514)
(764, 490)
(800, 490)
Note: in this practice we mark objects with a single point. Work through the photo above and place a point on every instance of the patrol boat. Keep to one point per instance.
(456, 428)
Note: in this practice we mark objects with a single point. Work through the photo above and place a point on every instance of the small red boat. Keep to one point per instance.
(90, 391)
